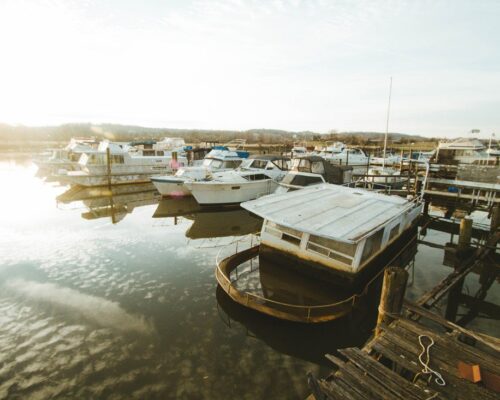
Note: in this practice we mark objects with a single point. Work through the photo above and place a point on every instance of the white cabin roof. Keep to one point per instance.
(332, 211)
(462, 144)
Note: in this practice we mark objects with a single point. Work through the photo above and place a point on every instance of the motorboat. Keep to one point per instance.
(389, 159)
(346, 156)
(313, 170)
(336, 233)
(218, 160)
(113, 164)
(254, 178)
(381, 177)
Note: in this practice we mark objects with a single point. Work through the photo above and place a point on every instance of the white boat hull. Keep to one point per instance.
(212, 193)
(171, 186)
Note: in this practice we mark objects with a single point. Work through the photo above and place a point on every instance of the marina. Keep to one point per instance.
(284, 274)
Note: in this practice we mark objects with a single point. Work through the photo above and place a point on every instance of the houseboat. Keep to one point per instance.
(463, 151)
(256, 177)
(218, 160)
(335, 233)
(122, 166)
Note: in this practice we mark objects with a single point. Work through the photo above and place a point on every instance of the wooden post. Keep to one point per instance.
(108, 164)
(495, 218)
(391, 298)
(465, 233)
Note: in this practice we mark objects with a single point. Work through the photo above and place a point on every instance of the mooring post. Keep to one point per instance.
(108, 164)
(495, 218)
(465, 233)
(391, 298)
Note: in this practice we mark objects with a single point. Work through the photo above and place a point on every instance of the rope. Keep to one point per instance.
(426, 370)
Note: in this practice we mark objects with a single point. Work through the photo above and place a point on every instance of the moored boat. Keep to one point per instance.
(334, 232)
(256, 177)
(219, 159)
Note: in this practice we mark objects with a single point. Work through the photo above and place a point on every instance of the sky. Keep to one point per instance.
(316, 65)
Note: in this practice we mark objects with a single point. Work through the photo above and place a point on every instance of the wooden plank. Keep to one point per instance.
(490, 341)
(397, 385)
(445, 355)
(451, 346)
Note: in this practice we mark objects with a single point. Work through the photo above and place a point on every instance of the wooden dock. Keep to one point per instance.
(415, 353)
(388, 367)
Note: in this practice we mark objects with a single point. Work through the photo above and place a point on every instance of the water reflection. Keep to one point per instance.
(208, 222)
(113, 202)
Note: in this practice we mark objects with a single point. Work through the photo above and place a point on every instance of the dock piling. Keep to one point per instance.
(392, 296)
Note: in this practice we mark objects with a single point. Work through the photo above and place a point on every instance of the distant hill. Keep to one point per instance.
(129, 132)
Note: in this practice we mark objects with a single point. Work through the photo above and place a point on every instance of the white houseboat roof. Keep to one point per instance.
(332, 211)
(462, 144)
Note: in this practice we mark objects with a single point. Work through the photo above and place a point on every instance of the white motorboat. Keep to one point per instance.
(380, 177)
(390, 159)
(333, 231)
(123, 166)
(346, 156)
(255, 177)
(218, 160)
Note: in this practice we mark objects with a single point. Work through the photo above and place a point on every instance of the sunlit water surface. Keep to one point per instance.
(95, 309)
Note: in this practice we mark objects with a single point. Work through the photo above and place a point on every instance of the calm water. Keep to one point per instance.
(101, 300)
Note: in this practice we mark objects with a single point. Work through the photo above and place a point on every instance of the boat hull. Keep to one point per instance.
(171, 187)
(216, 193)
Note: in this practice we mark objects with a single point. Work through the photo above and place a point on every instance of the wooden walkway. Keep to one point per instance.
(388, 367)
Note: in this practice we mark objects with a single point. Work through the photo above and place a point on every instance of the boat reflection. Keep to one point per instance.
(114, 202)
(308, 342)
(208, 222)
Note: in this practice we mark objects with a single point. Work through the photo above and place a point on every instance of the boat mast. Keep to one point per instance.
(387, 123)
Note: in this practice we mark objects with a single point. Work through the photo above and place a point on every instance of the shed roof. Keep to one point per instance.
(332, 211)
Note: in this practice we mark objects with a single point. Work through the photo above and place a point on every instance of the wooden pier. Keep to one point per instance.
(419, 355)
(388, 367)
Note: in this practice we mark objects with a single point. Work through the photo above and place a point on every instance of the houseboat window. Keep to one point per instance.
(394, 232)
(287, 234)
(340, 247)
(160, 153)
(372, 245)
(148, 152)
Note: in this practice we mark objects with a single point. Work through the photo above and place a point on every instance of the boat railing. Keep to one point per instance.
(293, 312)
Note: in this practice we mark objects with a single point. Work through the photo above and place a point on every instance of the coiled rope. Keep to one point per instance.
(426, 370)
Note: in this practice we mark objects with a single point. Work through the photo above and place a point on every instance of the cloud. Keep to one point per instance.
(94, 309)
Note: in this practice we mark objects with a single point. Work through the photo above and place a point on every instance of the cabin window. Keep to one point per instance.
(259, 164)
(115, 159)
(148, 152)
(372, 245)
(284, 233)
(282, 164)
(318, 168)
(301, 180)
(256, 177)
(160, 153)
(394, 232)
(340, 251)
(232, 164)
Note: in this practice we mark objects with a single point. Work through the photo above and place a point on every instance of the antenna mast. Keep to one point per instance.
(387, 123)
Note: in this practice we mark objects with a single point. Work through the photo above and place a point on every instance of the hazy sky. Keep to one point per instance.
(234, 64)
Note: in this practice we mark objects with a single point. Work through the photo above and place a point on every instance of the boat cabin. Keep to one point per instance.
(337, 174)
(266, 162)
(335, 229)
